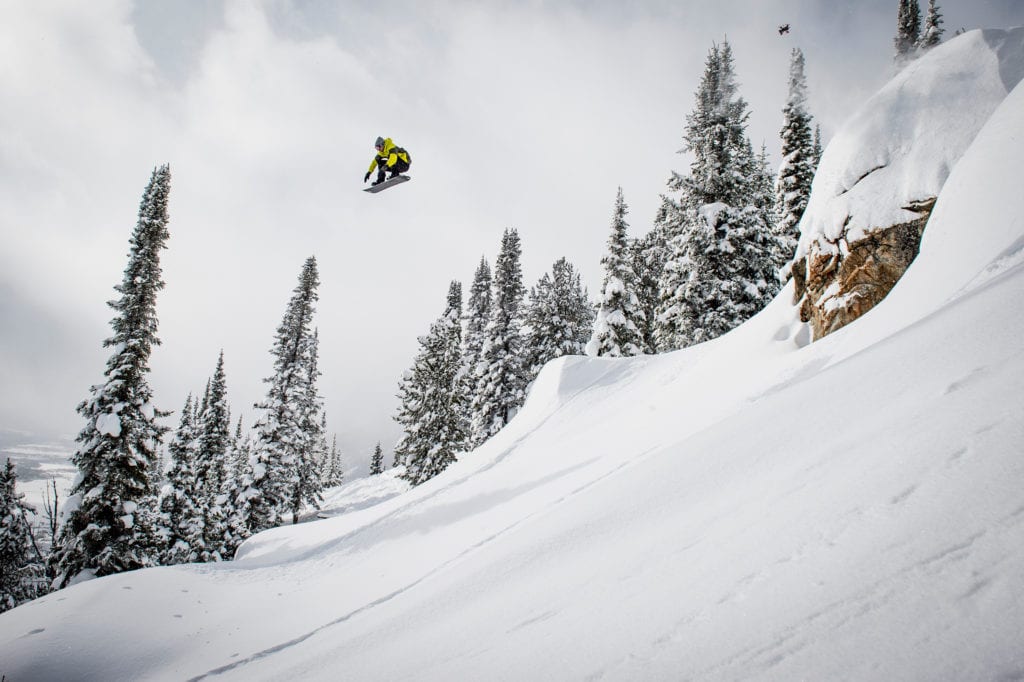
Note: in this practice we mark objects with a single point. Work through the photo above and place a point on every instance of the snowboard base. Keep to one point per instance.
(390, 182)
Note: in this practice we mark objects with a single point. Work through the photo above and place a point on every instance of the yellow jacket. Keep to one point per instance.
(387, 157)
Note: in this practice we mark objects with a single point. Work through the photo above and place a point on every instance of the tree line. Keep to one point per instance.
(718, 251)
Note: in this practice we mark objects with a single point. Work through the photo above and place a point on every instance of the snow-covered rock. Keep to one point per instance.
(882, 173)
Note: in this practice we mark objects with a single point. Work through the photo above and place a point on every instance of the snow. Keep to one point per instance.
(752, 508)
(882, 162)
(108, 424)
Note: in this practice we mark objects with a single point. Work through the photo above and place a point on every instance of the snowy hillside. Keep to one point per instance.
(753, 508)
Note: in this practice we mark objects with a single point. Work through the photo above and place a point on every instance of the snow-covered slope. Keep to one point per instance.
(751, 508)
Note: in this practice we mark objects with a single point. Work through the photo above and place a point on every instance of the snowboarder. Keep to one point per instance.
(783, 29)
(390, 158)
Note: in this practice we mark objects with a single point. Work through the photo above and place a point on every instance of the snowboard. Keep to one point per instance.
(390, 182)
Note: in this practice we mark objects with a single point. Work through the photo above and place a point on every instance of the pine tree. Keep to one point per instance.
(281, 437)
(334, 474)
(433, 400)
(647, 256)
(793, 186)
(109, 524)
(908, 29)
(620, 320)
(377, 461)
(181, 513)
(21, 567)
(732, 254)
(931, 35)
(308, 487)
(213, 452)
(241, 450)
(762, 187)
(558, 318)
(719, 267)
(478, 314)
(501, 380)
(816, 156)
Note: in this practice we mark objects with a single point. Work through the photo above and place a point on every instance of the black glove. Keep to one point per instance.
(367, 176)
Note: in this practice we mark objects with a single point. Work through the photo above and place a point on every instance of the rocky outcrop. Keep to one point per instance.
(834, 289)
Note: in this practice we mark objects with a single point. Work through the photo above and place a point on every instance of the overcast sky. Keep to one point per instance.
(517, 114)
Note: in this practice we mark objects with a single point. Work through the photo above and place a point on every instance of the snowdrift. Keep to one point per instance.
(884, 160)
(754, 508)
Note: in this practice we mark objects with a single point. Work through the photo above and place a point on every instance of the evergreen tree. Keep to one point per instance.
(793, 187)
(908, 29)
(620, 319)
(334, 474)
(241, 449)
(377, 461)
(478, 314)
(109, 524)
(647, 255)
(433, 402)
(817, 147)
(213, 452)
(501, 380)
(558, 318)
(716, 135)
(732, 254)
(180, 505)
(719, 267)
(309, 486)
(21, 567)
(931, 35)
(762, 195)
(281, 436)
(234, 493)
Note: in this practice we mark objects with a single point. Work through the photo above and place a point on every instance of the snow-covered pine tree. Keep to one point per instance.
(719, 270)
(617, 331)
(323, 453)
(334, 473)
(241, 450)
(908, 29)
(377, 461)
(647, 256)
(309, 486)
(109, 517)
(478, 314)
(733, 270)
(558, 318)
(22, 575)
(433, 408)
(181, 516)
(817, 147)
(796, 172)
(762, 182)
(213, 451)
(931, 34)
(501, 381)
(281, 438)
(233, 493)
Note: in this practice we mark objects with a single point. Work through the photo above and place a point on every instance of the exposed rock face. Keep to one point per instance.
(834, 289)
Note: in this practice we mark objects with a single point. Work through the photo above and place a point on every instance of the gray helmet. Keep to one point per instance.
(379, 142)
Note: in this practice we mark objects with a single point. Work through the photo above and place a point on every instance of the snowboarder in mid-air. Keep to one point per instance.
(390, 159)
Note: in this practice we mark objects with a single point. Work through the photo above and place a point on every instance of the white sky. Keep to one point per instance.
(517, 114)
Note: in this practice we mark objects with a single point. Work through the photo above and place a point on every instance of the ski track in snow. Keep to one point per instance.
(426, 576)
